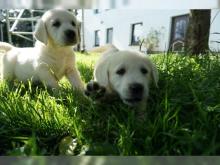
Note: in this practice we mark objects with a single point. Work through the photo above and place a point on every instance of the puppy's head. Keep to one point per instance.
(59, 27)
(128, 74)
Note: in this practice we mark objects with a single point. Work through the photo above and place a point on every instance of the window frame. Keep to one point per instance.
(107, 35)
(96, 11)
(132, 42)
(172, 28)
(95, 36)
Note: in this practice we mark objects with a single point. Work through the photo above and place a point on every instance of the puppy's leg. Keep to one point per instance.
(94, 90)
(74, 78)
(8, 66)
(47, 77)
(7, 72)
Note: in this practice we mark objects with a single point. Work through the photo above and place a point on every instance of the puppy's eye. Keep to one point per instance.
(144, 70)
(73, 23)
(121, 71)
(56, 23)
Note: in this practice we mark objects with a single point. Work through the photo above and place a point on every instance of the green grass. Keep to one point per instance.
(183, 115)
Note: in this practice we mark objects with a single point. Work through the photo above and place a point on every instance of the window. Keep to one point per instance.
(109, 35)
(136, 31)
(178, 29)
(97, 37)
(112, 4)
(125, 2)
(96, 11)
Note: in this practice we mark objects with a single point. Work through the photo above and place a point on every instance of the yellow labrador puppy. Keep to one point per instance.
(125, 73)
(51, 58)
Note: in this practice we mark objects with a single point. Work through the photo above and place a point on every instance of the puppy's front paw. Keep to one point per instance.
(94, 90)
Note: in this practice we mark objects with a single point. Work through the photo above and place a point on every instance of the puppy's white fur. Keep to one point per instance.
(105, 73)
(51, 58)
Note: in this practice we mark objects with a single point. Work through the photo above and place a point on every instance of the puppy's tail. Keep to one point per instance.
(104, 49)
(111, 49)
(5, 47)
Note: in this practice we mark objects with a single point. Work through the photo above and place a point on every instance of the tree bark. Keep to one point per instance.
(197, 35)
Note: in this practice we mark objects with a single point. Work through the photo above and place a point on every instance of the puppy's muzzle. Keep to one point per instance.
(70, 36)
(136, 93)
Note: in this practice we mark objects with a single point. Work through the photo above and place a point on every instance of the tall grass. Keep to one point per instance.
(183, 115)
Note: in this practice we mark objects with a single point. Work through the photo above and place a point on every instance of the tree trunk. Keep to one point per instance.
(197, 35)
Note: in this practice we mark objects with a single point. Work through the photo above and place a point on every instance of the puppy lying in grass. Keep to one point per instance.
(51, 58)
(126, 74)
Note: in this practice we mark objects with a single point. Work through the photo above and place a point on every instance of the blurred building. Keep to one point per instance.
(128, 28)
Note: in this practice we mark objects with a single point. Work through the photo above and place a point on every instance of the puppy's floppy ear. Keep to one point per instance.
(40, 32)
(102, 68)
(101, 73)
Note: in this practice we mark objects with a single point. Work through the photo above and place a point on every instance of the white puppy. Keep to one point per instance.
(51, 58)
(125, 73)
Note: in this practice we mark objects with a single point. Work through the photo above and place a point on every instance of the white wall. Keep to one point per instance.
(215, 27)
(121, 20)
(173, 4)
(157, 4)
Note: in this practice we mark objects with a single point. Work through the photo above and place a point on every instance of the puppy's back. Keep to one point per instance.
(5, 47)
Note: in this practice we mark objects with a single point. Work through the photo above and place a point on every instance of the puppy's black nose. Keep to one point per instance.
(70, 34)
(136, 89)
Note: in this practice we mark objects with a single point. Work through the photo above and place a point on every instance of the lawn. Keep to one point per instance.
(183, 115)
